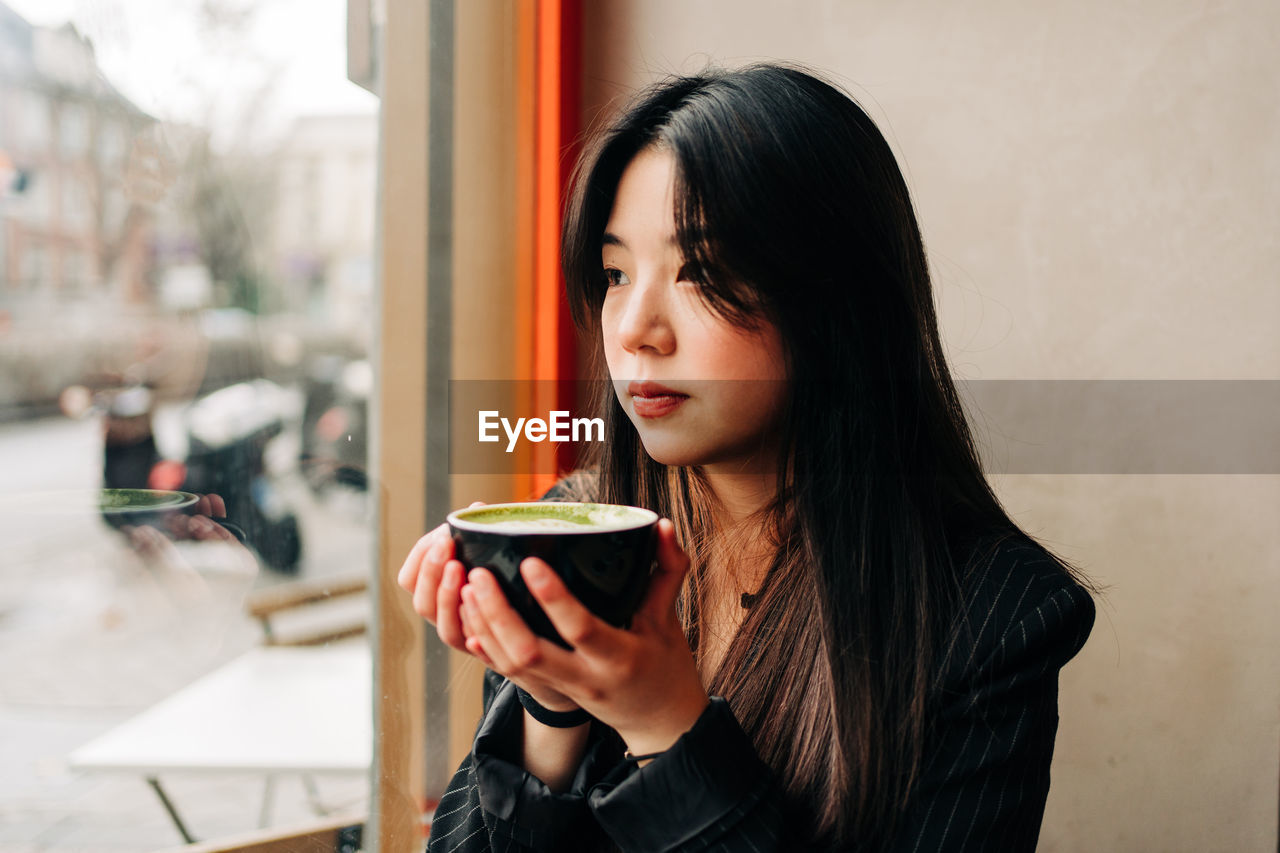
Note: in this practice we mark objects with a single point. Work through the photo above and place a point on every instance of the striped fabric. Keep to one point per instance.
(983, 787)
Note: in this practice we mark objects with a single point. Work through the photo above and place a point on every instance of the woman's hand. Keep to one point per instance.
(434, 578)
(177, 541)
(641, 681)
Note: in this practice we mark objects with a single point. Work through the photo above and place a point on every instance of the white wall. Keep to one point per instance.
(1098, 183)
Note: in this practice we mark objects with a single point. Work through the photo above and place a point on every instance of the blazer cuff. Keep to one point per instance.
(711, 776)
(523, 808)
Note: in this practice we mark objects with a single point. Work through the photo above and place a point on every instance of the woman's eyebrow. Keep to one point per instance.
(611, 239)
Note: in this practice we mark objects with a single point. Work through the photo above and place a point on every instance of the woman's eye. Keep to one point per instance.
(615, 277)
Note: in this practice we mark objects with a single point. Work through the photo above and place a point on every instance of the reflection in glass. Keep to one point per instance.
(186, 242)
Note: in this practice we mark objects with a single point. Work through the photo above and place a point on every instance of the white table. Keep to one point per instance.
(271, 710)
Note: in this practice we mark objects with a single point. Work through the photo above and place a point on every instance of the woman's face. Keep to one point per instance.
(699, 390)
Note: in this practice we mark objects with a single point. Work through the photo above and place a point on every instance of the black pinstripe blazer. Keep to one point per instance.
(983, 787)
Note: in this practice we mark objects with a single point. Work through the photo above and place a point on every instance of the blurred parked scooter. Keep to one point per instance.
(335, 423)
(228, 433)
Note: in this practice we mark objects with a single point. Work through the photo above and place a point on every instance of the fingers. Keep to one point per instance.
(480, 640)
(427, 584)
(211, 505)
(514, 649)
(449, 624)
(408, 573)
(664, 587)
(204, 529)
(420, 575)
(144, 539)
(472, 625)
(407, 577)
(475, 648)
(577, 625)
(177, 525)
(542, 692)
(466, 620)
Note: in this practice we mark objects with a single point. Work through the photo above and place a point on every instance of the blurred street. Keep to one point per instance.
(187, 216)
(91, 634)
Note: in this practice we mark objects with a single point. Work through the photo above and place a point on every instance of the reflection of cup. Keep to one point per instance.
(602, 552)
(143, 507)
(130, 506)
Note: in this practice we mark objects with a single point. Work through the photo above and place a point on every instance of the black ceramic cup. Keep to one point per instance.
(603, 553)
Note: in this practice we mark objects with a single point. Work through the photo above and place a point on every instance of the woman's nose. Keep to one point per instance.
(644, 322)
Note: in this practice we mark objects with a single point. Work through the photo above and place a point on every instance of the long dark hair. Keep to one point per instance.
(790, 206)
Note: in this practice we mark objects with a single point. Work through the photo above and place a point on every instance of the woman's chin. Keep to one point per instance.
(673, 454)
(681, 454)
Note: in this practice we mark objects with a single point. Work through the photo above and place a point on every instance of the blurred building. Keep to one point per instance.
(74, 214)
(323, 230)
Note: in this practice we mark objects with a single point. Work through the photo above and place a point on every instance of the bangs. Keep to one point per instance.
(706, 247)
(707, 250)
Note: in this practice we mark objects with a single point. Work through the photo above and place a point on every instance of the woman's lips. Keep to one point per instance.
(652, 400)
(656, 407)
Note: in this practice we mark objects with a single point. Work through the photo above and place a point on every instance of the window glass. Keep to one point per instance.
(73, 129)
(32, 268)
(185, 326)
(27, 212)
(33, 120)
(75, 214)
(111, 136)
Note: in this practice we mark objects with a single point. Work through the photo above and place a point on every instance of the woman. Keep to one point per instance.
(847, 643)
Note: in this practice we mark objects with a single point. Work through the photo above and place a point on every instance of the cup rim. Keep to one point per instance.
(650, 518)
(77, 501)
(181, 500)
